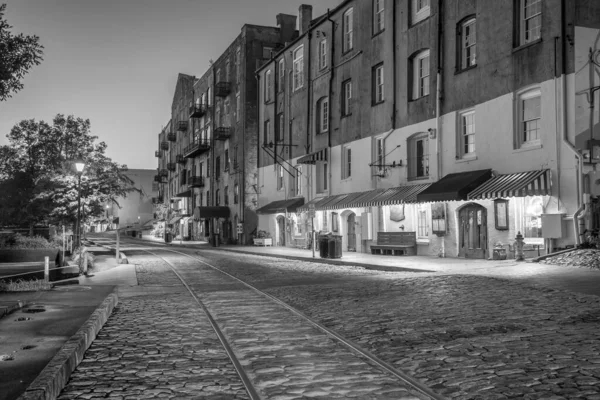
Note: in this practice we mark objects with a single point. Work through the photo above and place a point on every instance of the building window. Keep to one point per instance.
(347, 163)
(529, 117)
(267, 133)
(226, 160)
(238, 69)
(209, 96)
(323, 54)
(347, 22)
(226, 108)
(378, 95)
(208, 200)
(267, 53)
(236, 193)
(268, 86)
(217, 167)
(530, 21)
(280, 127)
(466, 130)
(422, 221)
(378, 16)
(235, 157)
(237, 106)
(281, 76)
(379, 154)
(298, 80)
(420, 10)
(323, 115)
(207, 168)
(226, 195)
(346, 97)
(467, 40)
(420, 67)
(298, 180)
(279, 177)
(218, 195)
(418, 156)
(322, 177)
(227, 71)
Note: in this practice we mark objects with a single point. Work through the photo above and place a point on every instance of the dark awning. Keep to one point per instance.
(532, 183)
(185, 193)
(174, 220)
(115, 220)
(454, 186)
(376, 197)
(312, 158)
(281, 206)
(211, 212)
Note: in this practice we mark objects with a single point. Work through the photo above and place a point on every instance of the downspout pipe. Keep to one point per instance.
(565, 136)
(331, 76)
(309, 103)
(438, 97)
(394, 72)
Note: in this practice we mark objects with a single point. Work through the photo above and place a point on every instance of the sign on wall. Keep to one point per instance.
(397, 212)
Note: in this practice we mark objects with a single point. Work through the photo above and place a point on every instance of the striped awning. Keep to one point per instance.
(532, 183)
(377, 197)
(312, 158)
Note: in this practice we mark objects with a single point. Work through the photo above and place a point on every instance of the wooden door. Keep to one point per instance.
(351, 232)
(473, 232)
(281, 229)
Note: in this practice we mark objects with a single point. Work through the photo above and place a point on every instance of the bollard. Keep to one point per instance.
(519, 242)
(85, 262)
(117, 258)
(47, 269)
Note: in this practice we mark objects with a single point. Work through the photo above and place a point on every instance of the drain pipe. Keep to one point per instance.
(438, 100)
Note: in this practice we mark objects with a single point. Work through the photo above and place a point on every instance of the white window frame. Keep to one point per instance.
(523, 22)
(378, 16)
(468, 43)
(423, 221)
(346, 162)
(237, 106)
(280, 127)
(281, 76)
(379, 154)
(266, 132)
(238, 70)
(378, 84)
(412, 155)
(298, 81)
(348, 28)
(347, 97)
(467, 127)
(323, 115)
(420, 10)
(421, 84)
(280, 176)
(522, 96)
(298, 180)
(321, 171)
(323, 54)
(268, 85)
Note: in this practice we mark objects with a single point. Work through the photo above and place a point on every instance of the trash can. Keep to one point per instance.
(168, 237)
(133, 233)
(324, 246)
(335, 246)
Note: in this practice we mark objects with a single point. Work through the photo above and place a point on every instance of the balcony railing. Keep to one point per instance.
(198, 110)
(180, 159)
(196, 148)
(164, 145)
(159, 179)
(196, 181)
(171, 166)
(182, 126)
(163, 173)
(171, 137)
(222, 89)
(222, 133)
(158, 154)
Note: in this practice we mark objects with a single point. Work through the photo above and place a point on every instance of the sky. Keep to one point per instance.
(116, 62)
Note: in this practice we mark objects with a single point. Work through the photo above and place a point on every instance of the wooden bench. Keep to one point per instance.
(395, 243)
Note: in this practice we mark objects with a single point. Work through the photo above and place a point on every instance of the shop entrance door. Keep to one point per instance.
(281, 230)
(351, 232)
(473, 231)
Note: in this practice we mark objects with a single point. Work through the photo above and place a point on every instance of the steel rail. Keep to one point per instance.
(236, 363)
(33, 272)
(413, 383)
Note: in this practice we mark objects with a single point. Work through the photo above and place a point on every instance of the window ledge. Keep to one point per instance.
(419, 98)
(348, 179)
(419, 19)
(373, 104)
(526, 45)
(461, 70)
(528, 147)
(467, 158)
(418, 178)
(346, 115)
(375, 34)
(423, 240)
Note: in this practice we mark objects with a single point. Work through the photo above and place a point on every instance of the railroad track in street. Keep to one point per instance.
(269, 341)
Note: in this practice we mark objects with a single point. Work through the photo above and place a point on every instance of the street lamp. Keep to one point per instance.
(79, 166)
(181, 231)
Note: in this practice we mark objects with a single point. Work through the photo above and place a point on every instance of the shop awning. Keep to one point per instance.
(281, 206)
(211, 212)
(185, 193)
(115, 220)
(454, 187)
(377, 197)
(312, 158)
(174, 220)
(532, 183)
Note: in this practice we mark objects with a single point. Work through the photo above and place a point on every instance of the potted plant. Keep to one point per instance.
(263, 238)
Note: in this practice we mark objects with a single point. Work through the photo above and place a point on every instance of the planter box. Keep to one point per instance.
(263, 242)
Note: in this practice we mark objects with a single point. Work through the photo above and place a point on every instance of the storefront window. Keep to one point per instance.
(422, 221)
(532, 220)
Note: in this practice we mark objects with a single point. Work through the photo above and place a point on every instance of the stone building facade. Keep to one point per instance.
(460, 121)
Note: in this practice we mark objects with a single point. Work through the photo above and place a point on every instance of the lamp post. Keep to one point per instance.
(181, 231)
(79, 166)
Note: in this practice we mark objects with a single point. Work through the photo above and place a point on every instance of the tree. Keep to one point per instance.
(38, 175)
(18, 54)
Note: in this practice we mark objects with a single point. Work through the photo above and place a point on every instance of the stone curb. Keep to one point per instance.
(5, 310)
(53, 378)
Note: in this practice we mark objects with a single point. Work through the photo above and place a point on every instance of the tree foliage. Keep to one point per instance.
(18, 54)
(38, 181)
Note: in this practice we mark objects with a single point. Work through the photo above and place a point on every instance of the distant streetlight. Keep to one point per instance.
(79, 166)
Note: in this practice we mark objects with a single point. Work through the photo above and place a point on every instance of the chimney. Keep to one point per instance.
(305, 13)
(287, 27)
